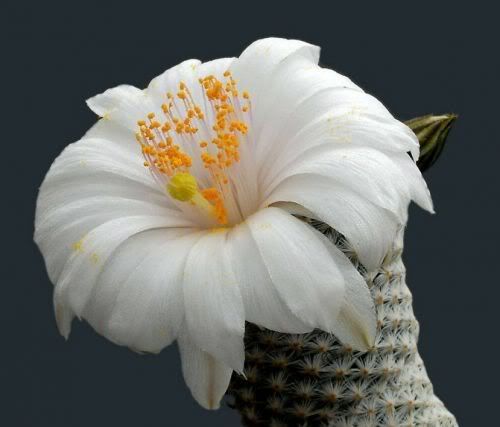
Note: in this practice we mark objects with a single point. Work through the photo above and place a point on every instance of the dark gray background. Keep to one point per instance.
(416, 57)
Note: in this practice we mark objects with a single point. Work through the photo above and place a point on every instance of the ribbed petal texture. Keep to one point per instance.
(313, 380)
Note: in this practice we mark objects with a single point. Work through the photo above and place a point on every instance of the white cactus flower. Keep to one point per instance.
(172, 218)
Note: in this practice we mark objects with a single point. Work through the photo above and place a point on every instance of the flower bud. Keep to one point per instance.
(431, 132)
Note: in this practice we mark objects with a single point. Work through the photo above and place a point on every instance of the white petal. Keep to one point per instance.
(335, 116)
(169, 80)
(370, 173)
(93, 167)
(259, 70)
(207, 378)
(86, 261)
(90, 183)
(188, 72)
(61, 228)
(255, 66)
(292, 97)
(356, 324)
(412, 175)
(113, 133)
(263, 305)
(369, 229)
(300, 266)
(119, 99)
(138, 299)
(285, 110)
(215, 314)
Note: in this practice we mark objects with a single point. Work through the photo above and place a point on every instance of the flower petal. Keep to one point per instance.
(113, 133)
(215, 315)
(87, 258)
(370, 173)
(298, 105)
(356, 324)
(418, 187)
(90, 183)
(188, 72)
(207, 378)
(263, 305)
(60, 230)
(256, 65)
(94, 167)
(169, 80)
(138, 298)
(334, 116)
(300, 266)
(121, 102)
(368, 228)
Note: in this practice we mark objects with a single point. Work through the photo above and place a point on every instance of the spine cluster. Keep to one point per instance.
(314, 380)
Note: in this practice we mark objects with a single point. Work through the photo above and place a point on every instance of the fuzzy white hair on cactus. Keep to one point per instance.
(174, 217)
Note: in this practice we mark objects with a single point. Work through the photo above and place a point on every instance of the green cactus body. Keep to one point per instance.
(314, 380)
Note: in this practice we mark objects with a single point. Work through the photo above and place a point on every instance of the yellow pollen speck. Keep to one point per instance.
(214, 230)
(78, 246)
(265, 226)
(94, 258)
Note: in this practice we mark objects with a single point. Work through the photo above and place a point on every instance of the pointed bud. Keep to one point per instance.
(431, 132)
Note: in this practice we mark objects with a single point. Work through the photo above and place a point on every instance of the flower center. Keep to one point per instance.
(189, 140)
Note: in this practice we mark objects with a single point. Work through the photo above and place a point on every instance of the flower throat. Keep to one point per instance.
(171, 144)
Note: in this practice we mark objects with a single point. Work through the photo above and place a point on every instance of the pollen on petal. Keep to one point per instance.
(78, 246)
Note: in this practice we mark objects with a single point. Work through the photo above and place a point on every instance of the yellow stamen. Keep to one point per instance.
(166, 142)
